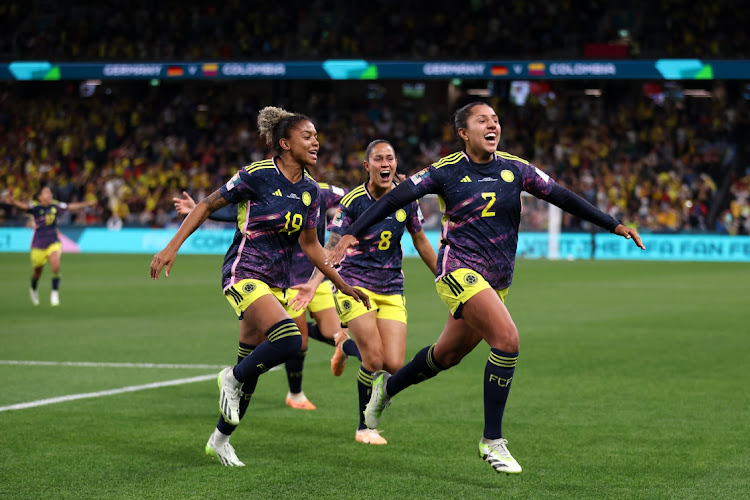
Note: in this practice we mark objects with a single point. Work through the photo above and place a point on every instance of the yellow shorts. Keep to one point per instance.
(322, 300)
(387, 306)
(40, 256)
(245, 292)
(456, 288)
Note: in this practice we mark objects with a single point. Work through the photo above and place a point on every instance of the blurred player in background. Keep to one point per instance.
(45, 243)
(480, 190)
(322, 309)
(374, 267)
(278, 205)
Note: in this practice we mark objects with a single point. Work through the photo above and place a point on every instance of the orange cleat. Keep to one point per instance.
(299, 401)
(369, 436)
(338, 361)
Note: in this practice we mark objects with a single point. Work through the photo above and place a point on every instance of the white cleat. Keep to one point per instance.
(495, 452)
(54, 298)
(223, 452)
(229, 396)
(34, 294)
(379, 399)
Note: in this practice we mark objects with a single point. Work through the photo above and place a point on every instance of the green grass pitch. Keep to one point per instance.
(632, 383)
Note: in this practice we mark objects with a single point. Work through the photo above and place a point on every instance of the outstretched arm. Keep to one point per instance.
(574, 204)
(81, 204)
(10, 200)
(195, 218)
(22, 205)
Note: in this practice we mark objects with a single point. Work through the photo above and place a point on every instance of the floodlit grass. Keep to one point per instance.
(632, 383)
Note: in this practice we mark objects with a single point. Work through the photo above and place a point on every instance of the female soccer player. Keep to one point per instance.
(45, 244)
(278, 206)
(322, 309)
(480, 190)
(374, 267)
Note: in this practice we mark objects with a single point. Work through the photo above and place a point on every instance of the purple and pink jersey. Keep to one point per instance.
(375, 263)
(45, 223)
(481, 206)
(271, 213)
(302, 268)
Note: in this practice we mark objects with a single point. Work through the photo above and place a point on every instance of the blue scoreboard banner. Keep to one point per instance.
(358, 69)
(676, 247)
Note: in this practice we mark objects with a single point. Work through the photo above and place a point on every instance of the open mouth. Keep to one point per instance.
(314, 153)
(385, 174)
(491, 137)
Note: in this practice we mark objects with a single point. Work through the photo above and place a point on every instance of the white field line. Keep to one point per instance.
(114, 365)
(112, 392)
(106, 365)
(133, 388)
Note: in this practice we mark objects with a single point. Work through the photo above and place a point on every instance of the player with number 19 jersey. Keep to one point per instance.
(375, 263)
(481, 206)
(271, 213)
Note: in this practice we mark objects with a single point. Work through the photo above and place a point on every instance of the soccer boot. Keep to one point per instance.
(34, 294)
(369, 436)
(338, 361)
(299, 401)
(229, 396)
(379, 399)
(223, 452)
(495, 452)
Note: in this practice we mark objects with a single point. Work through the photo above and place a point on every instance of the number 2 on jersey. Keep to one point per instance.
(491, 197)
(296, 222)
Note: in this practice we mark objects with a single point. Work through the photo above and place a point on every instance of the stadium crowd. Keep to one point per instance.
(655, 165)
(66, 30)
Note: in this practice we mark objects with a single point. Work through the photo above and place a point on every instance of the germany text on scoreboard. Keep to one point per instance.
(336, 69)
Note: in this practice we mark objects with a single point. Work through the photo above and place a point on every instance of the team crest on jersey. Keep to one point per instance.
(507, 176)
(248, 287)
(306, 198)
(401, 215)
(471, 279)
(347, 304)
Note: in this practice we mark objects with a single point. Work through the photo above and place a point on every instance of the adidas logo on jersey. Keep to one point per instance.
(277, 192)
(466, 179)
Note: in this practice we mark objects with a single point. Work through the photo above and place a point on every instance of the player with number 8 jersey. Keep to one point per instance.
(374, 267)
(375, 264)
